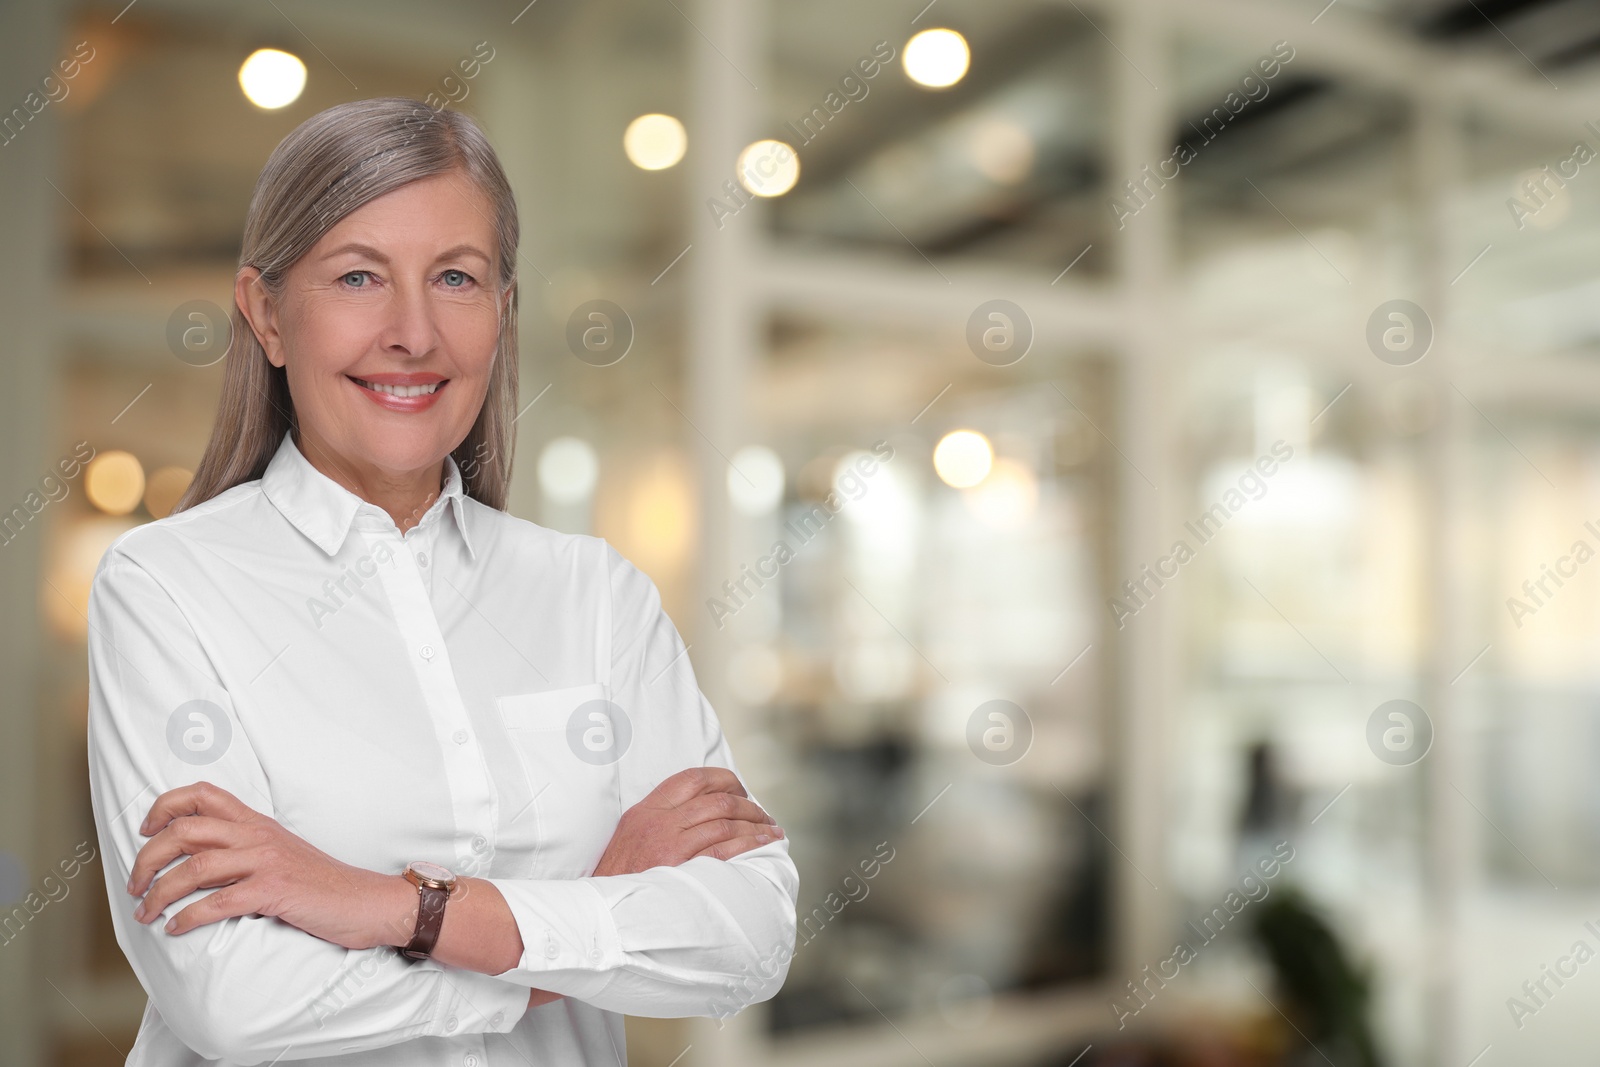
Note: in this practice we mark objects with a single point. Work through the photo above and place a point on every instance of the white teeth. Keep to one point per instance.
(402, 390)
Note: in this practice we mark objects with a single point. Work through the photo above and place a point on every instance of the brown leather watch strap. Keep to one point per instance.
(430, 920)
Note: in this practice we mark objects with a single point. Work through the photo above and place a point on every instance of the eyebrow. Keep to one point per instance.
(373, 254)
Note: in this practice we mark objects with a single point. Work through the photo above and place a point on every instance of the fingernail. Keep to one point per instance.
(763, 838)
(138, 913)
(172, 924)
(778, 831)
(130, 888)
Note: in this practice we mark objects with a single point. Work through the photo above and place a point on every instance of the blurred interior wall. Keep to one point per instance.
(30, 35)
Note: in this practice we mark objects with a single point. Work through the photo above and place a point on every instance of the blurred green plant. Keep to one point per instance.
(1329, 995)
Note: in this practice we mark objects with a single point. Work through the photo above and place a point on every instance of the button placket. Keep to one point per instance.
(473, 800)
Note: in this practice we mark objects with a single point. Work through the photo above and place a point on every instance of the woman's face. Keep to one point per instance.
(388, 329)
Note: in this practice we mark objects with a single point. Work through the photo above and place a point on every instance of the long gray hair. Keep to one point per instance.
(332, 164)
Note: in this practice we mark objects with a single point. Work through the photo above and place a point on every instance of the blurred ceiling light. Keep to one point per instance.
(654, 141)
(164, 489)
(1007, 498)
(272, 79)
(962, 458)
(768, 168)
(660, 515)
(937, 59)
(114, 482)
(1003, 151)
(755, 480)
(568, 470)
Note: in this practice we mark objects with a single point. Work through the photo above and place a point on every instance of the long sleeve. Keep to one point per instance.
(248, 989)
(708, 937)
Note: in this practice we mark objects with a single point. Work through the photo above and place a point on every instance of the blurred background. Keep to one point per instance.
(1198, 645)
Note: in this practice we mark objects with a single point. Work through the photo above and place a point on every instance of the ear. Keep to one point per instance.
(255, 303)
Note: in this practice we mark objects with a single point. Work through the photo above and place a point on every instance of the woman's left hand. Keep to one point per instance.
(263, 869)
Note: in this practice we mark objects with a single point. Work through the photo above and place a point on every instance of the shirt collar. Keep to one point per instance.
(324, 510)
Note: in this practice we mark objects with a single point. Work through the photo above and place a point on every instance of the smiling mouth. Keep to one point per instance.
(399, 390)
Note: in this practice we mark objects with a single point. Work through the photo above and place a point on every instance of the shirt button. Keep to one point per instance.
(479, 844)
(594, 954)
(459, 737)
(427, 651)
(550, 950)
(450, 1024)
(497, 1018)
(471, 1060)
(422, 559)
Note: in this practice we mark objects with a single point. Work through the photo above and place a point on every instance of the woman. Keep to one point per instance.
(381, 774)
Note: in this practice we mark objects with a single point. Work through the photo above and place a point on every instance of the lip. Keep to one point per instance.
(405, 404)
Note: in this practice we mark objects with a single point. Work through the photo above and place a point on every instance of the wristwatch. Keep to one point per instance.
(434, 886)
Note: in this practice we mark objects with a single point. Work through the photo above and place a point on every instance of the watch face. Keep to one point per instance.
(431, 872)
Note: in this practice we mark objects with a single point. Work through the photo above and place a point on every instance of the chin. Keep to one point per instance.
(398, 448)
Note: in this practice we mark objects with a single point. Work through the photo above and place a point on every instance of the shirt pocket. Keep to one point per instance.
(559, 736)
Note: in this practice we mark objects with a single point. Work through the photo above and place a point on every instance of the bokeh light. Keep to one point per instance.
(164, 489)
(114, 482)
(568, 470)
(1007, 498)
(654, 141)
(768, 168)
(272, 79)
(755, 480)
(963, 458)
(937, 59)
(1002, 151)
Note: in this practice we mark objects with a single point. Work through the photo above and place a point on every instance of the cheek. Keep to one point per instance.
(471, 334)
(327, 336)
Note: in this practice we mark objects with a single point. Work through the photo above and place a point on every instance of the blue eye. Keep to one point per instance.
(455, 279)
(355, 274)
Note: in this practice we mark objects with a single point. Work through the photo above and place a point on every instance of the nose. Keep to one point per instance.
(409, 327)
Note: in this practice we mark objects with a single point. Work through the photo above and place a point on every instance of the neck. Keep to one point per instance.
(405, 495)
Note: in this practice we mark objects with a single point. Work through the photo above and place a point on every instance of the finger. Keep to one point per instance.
(722, 806)
(206, 870)
(716, 831)
(234, 901)
(694, 781)
(182, 837)
(735, 846)
(197, 798)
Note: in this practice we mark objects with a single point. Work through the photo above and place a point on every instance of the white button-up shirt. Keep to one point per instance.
(480, 692)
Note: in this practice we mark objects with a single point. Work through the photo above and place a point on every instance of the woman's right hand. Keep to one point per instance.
(702, 811)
